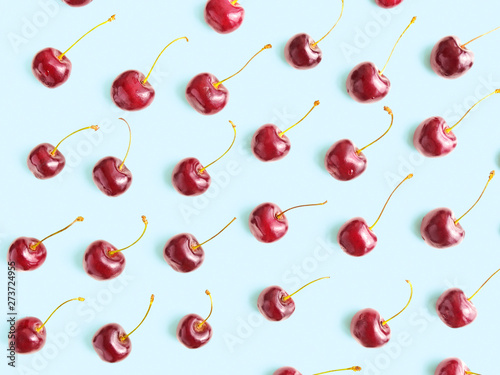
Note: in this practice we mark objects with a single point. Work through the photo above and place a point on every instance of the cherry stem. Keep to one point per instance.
(280, 215)
(94, 127)
(220, 157)
(393, 48)
(112, 18)
(481, 287)
(145, 221)
(389, 111)
(123, 338)
(404, 308)
(470, 41)
(217, 84)
(298, 290)
(316, 103)
(497, 91)
(388, 199)
(57, 308)
(471, 373)
(34, 246)
(129, 143)
(207, 292)
(492, 174)
(211, 238)
(354, 368)
(313, 45)
(163, 50)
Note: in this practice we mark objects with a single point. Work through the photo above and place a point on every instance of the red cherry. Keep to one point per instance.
(302, 52)
(194, 332)
(131, 91)
(388, 3)
(28, 253)
(344, 161)
(224, 16)
(111, 175)
(271, 144)
(111, 342)
(206, 94)
(366, 84)
(434, 138)
(51, 66)
(453, 366)
(46, 161)
(190, 178)
(276, 305)
(292, 371)
(370, 330)
(441, 230)
(355, 237)
(103, 261)
(268, 222)
(30, 333)
(77, 3)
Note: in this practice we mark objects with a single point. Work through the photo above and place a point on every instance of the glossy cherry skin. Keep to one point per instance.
(49, 70)
(267, 145)
(431, 138)
(438, 229)
(272, 305)
(365, 85)
(344, 162)
(109, 178)
(100, 264)
(43, 164)
(77, 3)
(187, 178)
(388, 3)
(223, 16)
(451, 366)
(202, 95)
(300, 53)
(449, 59)
(265, 225)
(368, 330)
(108, 343)
(23, 257)
(129, 93)
(286, 371)
(356, 238)
(191, 334)
(454, 309)
(27, 339)
(180, 253)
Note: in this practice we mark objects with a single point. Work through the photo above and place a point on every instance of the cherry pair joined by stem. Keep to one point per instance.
(356, 238)
(28, 253)
(370, 330)
(112, 343)
(441, 230)
(52, 67)
(453, 366)
(193, 331)
(268, 222)
(366, 84)
(292, 371)
(224, 16)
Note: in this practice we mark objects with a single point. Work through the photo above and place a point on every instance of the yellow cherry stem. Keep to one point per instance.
(129, 143)
(481, 287)
(313, 45)
(145, 221)
(220, 157)
(388, 199)
(389, 111)
(217, 84)
(316, 103)
(393, 48)
(211, 238)
(492, 174)
(94, 127)
(123, 338)
(471, 373)
(480, 36)
(354, 368)
(112, 18)
(34, 246)
(163, 50)
(38, 329)
(234, 2)
(280, 215)
(207, 292)
(404, 308)
(298, 290)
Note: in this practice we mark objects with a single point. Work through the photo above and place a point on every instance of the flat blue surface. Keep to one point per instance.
(237, 267)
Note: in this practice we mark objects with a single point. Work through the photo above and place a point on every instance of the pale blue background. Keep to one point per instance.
(237, 267)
